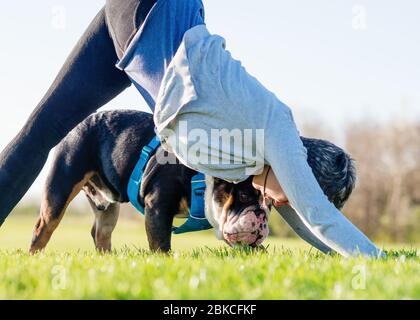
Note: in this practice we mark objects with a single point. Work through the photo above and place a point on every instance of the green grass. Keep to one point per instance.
(199, 268)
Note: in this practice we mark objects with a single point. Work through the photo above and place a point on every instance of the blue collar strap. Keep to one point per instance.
(196, 220)
(134, 183)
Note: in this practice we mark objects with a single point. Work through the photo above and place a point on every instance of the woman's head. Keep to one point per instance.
(333, 168)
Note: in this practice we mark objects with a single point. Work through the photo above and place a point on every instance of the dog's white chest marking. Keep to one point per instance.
(212, 209)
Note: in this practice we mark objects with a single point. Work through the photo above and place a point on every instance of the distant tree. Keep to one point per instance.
(387, 159)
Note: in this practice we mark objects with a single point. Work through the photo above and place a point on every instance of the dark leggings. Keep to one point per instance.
(87, 81)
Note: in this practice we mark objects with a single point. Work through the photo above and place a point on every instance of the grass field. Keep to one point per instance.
(199, 268)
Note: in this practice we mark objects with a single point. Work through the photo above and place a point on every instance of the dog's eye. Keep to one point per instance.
(244, 197)
(92, 191)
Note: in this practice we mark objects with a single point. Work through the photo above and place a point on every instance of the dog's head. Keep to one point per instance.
(236, 212)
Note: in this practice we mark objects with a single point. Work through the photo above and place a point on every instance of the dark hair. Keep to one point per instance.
(333, 169)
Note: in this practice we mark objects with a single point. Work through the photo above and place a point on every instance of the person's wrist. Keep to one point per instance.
(258, 181)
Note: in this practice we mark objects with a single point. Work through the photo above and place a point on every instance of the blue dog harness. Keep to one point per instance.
(196, 220)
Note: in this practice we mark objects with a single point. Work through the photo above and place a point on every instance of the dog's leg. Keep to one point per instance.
(59, 192)
(104, 225)
(159, 215)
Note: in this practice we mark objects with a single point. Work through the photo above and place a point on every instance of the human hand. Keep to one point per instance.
(269, 187)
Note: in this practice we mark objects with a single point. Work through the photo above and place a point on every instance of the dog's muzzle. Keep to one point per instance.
(250, 227)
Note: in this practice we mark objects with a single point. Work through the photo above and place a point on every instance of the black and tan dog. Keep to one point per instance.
(98, 157)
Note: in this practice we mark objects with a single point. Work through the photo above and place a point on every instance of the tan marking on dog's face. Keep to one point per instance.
(214, 211)
(225, 211)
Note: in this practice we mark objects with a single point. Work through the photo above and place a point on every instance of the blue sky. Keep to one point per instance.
(330, 60)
